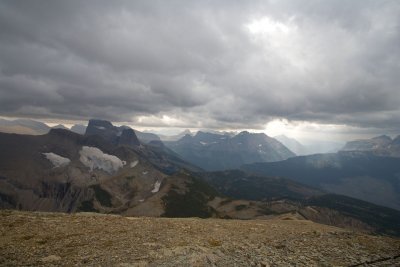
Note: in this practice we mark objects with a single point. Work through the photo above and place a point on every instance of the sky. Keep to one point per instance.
(308, 69)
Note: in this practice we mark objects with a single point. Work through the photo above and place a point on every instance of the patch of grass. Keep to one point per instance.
(27, 237)
(191, 204)
(41, 241)
(240, 207)
(108, 243)
(87, 206)
(130, 178)
(7, 199)
(226, 201)
(214, 242)
(102, 195)
(267, 211)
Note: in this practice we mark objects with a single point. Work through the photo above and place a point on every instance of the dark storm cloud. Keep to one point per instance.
(204, 63)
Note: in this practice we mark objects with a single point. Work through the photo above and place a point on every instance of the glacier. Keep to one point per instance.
(94, 158)
(57, 160)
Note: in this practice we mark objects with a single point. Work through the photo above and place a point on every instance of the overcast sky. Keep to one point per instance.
(203, 64)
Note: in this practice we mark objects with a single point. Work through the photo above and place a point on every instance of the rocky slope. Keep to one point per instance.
(54, 239)
(64, 171)
(276, 196)
(212, 151)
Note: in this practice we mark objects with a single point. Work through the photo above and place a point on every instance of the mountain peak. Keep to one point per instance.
(103, 128)
(64, 133)
(100, 123)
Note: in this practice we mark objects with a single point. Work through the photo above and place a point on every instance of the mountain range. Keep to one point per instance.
(109, 170)
(381, 145)
(65, 171)
(357, 174)
(23, 126)
(212, 151)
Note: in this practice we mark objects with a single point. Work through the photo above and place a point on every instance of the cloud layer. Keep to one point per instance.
(202, 63)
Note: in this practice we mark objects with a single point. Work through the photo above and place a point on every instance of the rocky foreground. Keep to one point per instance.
(87, 239)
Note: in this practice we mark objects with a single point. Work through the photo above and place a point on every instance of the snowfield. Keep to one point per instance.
(57, 160)
(156, 187)
(94, 158)
(133, 164)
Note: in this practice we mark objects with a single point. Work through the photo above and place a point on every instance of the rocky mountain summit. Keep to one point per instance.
(116, 135)
(84, 239)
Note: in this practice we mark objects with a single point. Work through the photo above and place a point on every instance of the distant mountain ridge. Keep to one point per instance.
(175, 137)
(381, 145)
(23, 126)
(357, 174)
(212, 151)
(293, 145)
(103, 171)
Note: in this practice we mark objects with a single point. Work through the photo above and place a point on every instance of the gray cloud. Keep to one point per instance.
(203, 64)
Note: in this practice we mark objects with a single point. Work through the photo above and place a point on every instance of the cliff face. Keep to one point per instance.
(116, 135)
(128, 138)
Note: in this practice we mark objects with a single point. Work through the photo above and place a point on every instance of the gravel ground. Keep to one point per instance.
(85, 239)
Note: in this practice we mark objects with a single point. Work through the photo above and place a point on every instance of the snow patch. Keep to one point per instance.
(133, 164)
(94, 158)
(145, 172)
(100, 127)
(203, 143)
(156, 187)
(57, 160)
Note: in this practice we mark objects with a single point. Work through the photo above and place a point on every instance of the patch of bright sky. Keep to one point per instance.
(309, 132)
(304, 131)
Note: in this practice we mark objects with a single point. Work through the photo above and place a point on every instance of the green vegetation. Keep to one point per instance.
(130, 178)
(87, 206)
(214, 242)
(102, 195)
(7, 199)
(191, 204)
(240, 185)
(240, 207)
(226, 201)
(386, 220)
